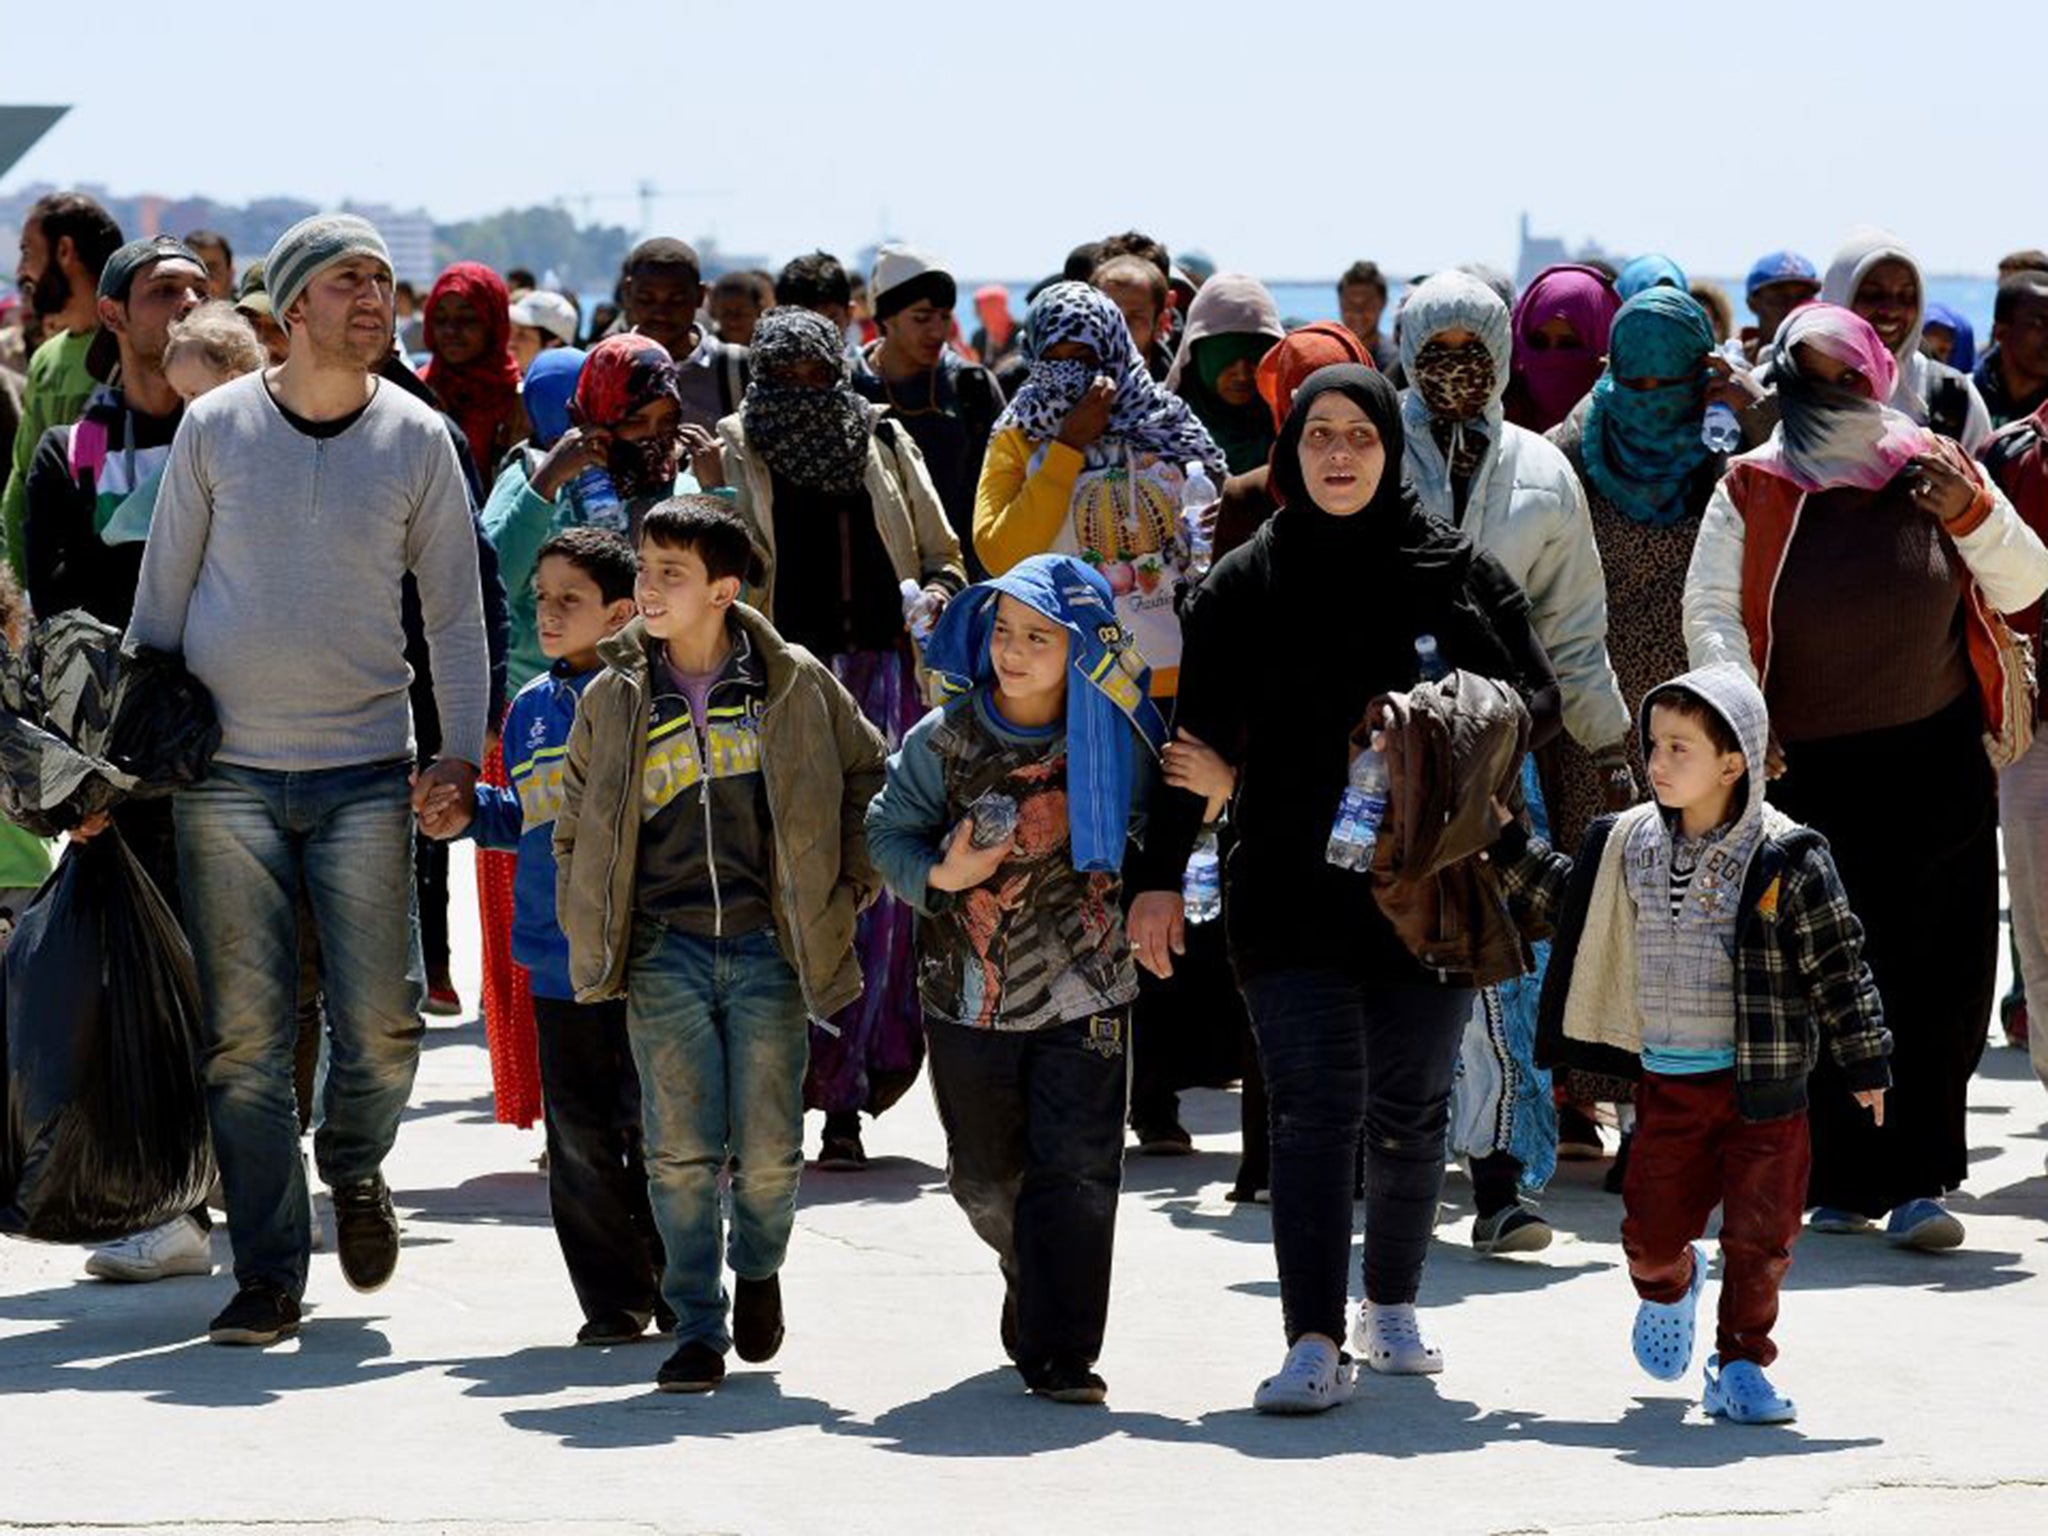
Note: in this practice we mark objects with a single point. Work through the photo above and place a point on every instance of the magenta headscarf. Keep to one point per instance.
(1828, 435)
(1546, 385)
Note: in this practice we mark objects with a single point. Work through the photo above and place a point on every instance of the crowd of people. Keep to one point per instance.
(833, 696)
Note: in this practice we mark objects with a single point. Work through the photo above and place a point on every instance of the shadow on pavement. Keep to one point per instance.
(490, 1199)
(749, 1403)
(885, 1181)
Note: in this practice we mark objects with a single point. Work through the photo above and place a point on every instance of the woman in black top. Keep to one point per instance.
(1287, 641)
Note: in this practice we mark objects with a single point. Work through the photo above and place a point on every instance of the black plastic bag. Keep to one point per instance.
(106, 1108)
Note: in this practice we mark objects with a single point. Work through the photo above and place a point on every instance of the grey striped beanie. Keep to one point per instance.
(313, 244)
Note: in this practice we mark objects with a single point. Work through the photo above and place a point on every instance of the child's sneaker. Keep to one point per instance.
(1391, 1341)
(1314, 1378)
(1742, 1394)
(1512, 1229)
(1663, 1334)
(1829, 1218)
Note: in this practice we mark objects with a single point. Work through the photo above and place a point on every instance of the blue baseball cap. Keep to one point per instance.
(1780, 267)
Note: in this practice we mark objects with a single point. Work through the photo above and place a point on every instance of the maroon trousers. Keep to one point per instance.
(1692, 1150)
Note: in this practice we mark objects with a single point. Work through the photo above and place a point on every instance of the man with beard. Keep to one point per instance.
(65, 241)
(294, 504)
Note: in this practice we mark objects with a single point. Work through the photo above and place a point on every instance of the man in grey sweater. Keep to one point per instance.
(294, 503)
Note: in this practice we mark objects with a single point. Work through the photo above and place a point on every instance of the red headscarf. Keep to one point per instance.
(1300, 353)
(621, 374)
(482, 392)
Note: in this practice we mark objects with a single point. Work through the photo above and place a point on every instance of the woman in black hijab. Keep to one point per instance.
(1288, 639)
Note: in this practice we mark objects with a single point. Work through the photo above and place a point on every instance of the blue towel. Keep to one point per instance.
(1109, 705)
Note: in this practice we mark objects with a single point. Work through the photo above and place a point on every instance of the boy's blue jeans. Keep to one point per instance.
(248, 841)
(720, 1038)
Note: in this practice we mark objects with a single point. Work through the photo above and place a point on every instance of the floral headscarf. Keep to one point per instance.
(1457, 391)
(622, 374)
(1642, 445)
(1143, 416)
(815, 437)
(482, 392)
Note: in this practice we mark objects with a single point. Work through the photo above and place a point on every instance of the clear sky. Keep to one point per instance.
(1283, 137)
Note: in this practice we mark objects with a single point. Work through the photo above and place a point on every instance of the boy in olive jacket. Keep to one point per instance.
(711, 861)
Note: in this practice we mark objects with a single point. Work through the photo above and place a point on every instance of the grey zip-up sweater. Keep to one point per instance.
(274, 566)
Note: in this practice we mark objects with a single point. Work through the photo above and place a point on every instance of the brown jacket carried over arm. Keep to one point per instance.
(1452, 747)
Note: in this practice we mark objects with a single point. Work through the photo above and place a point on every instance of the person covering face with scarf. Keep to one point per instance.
(1233, 321)
(481, 389)
(1455, 349)
(1560, 328)
(1142, 414)
(1642, 430)
(1836, 433)
(621, 376)
(800, 413)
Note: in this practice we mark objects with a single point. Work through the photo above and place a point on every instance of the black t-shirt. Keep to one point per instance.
(835, 589)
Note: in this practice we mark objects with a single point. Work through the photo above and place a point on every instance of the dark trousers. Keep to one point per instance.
(1342, 1054)
(1034, 1155)
(430, 874)
(597, 1180)
(1692, 1151)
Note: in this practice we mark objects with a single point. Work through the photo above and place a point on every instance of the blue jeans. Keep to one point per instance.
(249, 840)
(1344, 1055)
(720, 1039)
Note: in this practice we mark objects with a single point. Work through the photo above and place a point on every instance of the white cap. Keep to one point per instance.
(899, 267)
(548, 312)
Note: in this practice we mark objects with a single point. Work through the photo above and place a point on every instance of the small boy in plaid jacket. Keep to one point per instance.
(1705, 946)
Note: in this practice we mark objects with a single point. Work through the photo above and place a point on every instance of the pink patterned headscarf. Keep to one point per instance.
(1548, 383)
(1832, 435)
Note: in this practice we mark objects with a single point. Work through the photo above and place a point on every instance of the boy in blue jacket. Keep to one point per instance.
(1003, 823)
(597, 1183)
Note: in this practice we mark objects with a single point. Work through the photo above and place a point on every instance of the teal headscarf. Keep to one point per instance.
(1642, 445)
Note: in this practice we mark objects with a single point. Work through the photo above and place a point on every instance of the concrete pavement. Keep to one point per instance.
(452, 1400)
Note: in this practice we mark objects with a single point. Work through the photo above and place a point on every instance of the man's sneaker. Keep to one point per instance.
(259, 1314)
(1390, 1338)
(612, 1328)
(1066, 1381)
(756, 1318)
(178, 1247)
(694, 1367)
(1513, 1229)
(365, 1232)
(1923, 1224)
(442, 1003)
(1828, 1218)
(1578, 1137)
(1314, 1378)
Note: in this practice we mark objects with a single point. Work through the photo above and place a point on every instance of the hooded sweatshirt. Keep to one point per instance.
(1687, 895)
(1042, 940)
(1920, 376)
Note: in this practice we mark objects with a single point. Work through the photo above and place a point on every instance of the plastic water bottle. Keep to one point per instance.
(1201, 887)
(1430, 666)
(995, 821)
(1198, 498)
(599, 500)
(1359, 813)
(1720, 428)
(920, 609)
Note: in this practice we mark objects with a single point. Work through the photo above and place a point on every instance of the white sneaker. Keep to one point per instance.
(1391, 1341)
(1314, 1378)
(178, 1247)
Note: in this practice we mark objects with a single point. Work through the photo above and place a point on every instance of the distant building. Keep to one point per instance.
(1540, 251)
(409, 237)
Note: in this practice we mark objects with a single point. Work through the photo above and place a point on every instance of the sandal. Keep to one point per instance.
(1391, 1341)
(1663, 1334)
(1315, 1378)
(1742, 1394)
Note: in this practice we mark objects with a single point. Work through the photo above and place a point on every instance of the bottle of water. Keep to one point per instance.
(1201, 887)
(1198, 498)
(1430, 666)
(599, 500)
(1720, 428)
(920, 609)
(1359, 813)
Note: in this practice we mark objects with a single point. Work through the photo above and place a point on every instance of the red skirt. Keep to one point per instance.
(508, 999)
